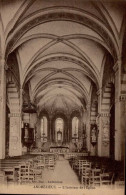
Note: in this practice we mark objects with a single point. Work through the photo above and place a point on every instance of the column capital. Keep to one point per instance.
(104, 114)
(122, 97)
(2, 61)
(117, 64)
(15, 114)
(116, 67)
(4, 64)
(50, 116)
(99, 91)
(88, 106)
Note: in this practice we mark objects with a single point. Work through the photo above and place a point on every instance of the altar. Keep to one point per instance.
(59, 149)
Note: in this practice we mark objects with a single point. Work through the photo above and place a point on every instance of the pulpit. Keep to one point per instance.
(27, 136)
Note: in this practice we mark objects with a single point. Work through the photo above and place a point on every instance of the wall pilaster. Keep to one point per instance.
(15, 148)
(104, 133)
(88, 107)
(99, 93)
(2, 108)
(120, 113)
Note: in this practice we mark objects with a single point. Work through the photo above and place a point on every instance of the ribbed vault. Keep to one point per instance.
(62, 50)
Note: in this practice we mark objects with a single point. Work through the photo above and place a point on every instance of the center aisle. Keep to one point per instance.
(62, 174)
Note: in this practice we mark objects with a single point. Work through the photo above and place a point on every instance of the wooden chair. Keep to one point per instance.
(26, 173)
(106, 178)
(95, 177)
(37, 175)
(85, 177)
(3, 178)
(85, 165)
(82, 164)
(9, 173)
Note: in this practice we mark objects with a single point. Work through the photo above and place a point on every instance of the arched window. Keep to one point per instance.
(59, 125)
(44, 126)
(75, 125)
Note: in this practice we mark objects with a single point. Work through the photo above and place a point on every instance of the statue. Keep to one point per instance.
(93, 134)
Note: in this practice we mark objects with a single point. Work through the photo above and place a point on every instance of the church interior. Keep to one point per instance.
(62, 91)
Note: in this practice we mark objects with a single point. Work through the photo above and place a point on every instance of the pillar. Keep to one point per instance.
(93, 114)
(120, 113)
(122, 125)
(104, 134)
(88, 107)
(50, 129)
(99, 93)
(15, 148)
(2, 108)
(70, 128)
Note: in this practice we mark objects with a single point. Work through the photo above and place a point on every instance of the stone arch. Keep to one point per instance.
(63, 116)
(46, 114)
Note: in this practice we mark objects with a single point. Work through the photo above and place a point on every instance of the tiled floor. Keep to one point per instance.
(62, 173)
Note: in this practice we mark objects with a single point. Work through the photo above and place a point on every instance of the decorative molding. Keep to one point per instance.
(103, 114)
(116, 67)
(15, 114)
(105, 131)
(117, 64)
(88, 106)
(6, 67)
(2, 62)
(122, 97)
(99, 92)
(106, 143)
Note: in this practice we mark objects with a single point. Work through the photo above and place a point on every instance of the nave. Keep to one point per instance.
(62, 174)
(62, 91)
(69, 169)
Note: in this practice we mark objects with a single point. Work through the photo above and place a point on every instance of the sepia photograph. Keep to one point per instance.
(62, 97)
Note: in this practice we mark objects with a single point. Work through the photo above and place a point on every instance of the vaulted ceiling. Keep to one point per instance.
(62, 47)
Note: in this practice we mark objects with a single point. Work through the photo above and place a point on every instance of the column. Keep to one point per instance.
(50, 129)
(103, 128)
(70, 128)
(15, 148)
(64, 134)
(104, 134)
(120, 113)
(88, 107)
(122, 125)
(99, 93)
(2, 108)
(26, 118)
